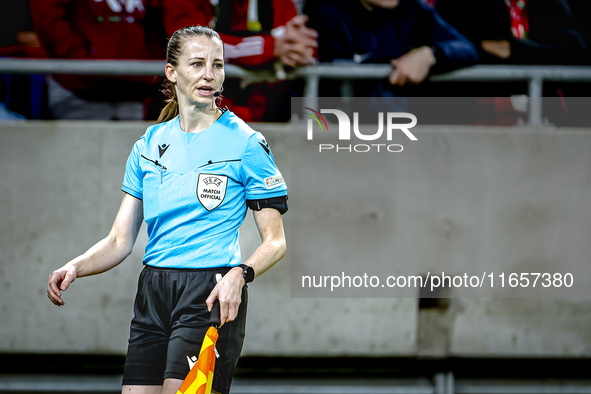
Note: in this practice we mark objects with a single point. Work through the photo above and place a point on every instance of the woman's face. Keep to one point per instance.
(200, 71)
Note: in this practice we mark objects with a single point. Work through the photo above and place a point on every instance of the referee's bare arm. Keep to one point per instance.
(105, 254)
(270, 226)
(271, 250)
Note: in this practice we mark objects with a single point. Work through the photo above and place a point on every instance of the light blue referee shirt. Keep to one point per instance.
(194, 191)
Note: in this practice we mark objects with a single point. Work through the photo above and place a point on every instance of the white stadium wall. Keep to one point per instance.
(60, 190)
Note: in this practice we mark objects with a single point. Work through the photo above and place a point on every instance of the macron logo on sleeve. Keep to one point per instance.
(265, 146)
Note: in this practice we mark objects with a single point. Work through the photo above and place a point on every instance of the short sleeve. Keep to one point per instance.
(260, 175)
(133, 180)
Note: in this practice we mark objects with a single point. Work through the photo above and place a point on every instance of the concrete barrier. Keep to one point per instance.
(59, 193)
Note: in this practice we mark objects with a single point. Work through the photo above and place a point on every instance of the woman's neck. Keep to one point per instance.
(196, 119)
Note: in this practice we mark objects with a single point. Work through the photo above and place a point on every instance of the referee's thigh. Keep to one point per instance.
(141, 389)
(186, 340)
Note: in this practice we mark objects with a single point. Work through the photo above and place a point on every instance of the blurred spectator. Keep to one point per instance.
(97, 29)
(6, 115)
(581, 10)
(527, 32)
(518, 31)
(256, 33)
(22, 94)
(405, 33)
(16, 30)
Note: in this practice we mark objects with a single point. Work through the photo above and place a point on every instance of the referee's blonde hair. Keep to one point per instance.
(173, 52)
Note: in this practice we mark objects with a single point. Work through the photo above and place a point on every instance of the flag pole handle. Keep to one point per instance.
(214, 318)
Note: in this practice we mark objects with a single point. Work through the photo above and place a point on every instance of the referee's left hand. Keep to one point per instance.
(229, 292)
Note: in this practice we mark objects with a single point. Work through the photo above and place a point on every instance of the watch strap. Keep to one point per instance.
(247, 272)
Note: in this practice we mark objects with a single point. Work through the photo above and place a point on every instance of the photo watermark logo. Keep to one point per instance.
(345, 126)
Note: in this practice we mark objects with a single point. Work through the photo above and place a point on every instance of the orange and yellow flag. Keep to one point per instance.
(200, 378)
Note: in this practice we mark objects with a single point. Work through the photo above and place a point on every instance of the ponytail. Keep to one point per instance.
(171, 109)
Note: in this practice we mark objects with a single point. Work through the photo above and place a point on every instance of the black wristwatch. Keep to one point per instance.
(247, 272)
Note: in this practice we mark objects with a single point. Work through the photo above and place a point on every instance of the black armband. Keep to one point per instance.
(278, 203)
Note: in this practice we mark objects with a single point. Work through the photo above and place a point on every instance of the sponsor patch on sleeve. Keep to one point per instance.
(274, 181)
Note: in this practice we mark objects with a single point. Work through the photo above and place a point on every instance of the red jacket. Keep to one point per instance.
(254, 50)
(95, 29)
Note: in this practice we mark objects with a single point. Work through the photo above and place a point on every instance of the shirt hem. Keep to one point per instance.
(132, 193)
(278, 193)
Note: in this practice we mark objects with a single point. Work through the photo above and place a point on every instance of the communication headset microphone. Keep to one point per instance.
(219, 92)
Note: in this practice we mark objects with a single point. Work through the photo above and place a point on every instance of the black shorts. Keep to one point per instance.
(169, 324)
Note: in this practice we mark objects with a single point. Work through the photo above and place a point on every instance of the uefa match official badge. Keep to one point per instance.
(211, 190)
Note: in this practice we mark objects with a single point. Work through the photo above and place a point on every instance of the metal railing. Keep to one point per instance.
(535, 76)
(441, 383)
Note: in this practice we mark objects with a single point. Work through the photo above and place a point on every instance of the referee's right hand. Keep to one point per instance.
(229, 293)
(59, 281)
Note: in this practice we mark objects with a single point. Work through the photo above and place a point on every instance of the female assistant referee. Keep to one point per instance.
(191, 178)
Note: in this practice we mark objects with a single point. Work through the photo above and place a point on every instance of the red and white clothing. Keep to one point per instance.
(246, 45)
(97, 29)
(247, 28)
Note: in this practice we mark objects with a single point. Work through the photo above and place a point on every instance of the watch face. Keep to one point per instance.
(248, 273)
